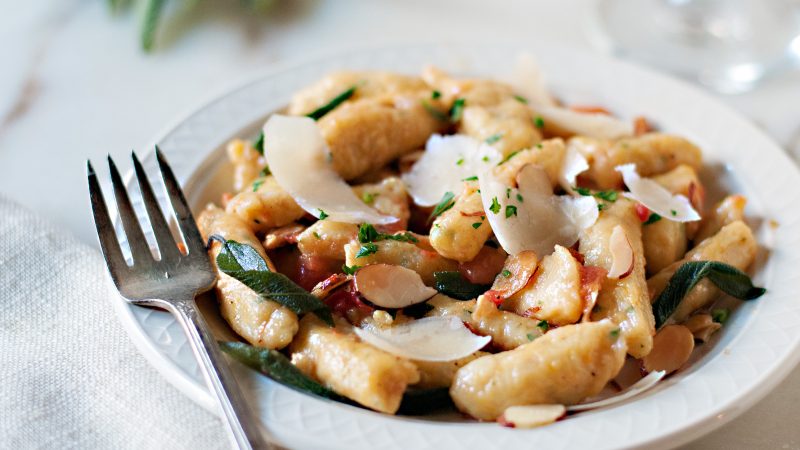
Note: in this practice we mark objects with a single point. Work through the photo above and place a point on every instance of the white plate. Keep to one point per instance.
(755, 351)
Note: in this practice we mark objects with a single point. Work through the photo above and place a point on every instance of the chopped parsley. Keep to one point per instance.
(510, 155)
(368, 197)
(477, 225)
(438, 115)
(493, 138)
(652, 219)
(257, 184)
(331, 105)
(521, 99)
(460, 161)
(258, 144)
(485, 159)
(367, 233)
(495, 208)
(538, 122)
(543, 325)
(601, 206)
(472, 178)
(720, 315)
(511, 210)
(457, 110)
(519, 198)
(316, 235)
(673, 212)
(322, 215)
(435, 94)
(349, 270)
(265, 171)
(614, 333)
(506, 273)
(609, 196)
(508, 192)
(530, 336)
(366, 250)
(445, 203)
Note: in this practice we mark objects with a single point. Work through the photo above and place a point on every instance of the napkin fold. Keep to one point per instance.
(70, 377)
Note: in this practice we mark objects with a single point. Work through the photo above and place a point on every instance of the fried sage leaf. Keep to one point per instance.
(453, 284)
(729, 279)
(417, 402)
(276, 366)
(245, 264)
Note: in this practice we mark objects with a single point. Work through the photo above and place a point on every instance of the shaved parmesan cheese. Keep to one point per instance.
(642, 385)
(427, 339)
(296, 154)
(528, 81)
(538, 221)
(574, 164)
(389, 286)
(655, 197)
(596, 125)
(447, 161)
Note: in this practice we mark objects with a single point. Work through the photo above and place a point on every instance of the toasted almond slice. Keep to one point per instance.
(324, 288)
(391, 286)
(672, 347)
(702, 326)
(531, 416)
(516, 273)
(621, 254)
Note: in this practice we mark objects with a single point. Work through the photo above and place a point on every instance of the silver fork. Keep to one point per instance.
(171, 282)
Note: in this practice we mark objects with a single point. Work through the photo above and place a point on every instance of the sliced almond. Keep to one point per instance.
(621, 254)
(672, 347)
(702, 326)
(517, 271)
(389, 286)
(283, 236)
(531, 416)
(324, 288)
(591, 281)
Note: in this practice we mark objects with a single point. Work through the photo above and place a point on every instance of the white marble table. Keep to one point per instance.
(75, 85)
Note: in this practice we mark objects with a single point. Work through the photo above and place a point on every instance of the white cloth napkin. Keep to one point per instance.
(69, 375)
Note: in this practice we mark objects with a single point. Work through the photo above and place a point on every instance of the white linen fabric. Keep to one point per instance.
(70, 377)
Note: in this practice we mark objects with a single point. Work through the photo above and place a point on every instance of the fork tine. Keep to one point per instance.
(139, 247)
(191, 235)
(166, 243)
(105, 228)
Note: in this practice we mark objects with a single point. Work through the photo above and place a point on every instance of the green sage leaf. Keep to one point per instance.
(729, 279)
(453, 284)
(276, 366)
(243, 262)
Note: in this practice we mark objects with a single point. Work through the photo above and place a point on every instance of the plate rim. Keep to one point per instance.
(723, 412)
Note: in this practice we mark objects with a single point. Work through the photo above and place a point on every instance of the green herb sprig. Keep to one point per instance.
(447, 202)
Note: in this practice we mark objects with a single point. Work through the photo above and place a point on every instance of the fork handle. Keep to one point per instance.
(242, 424)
